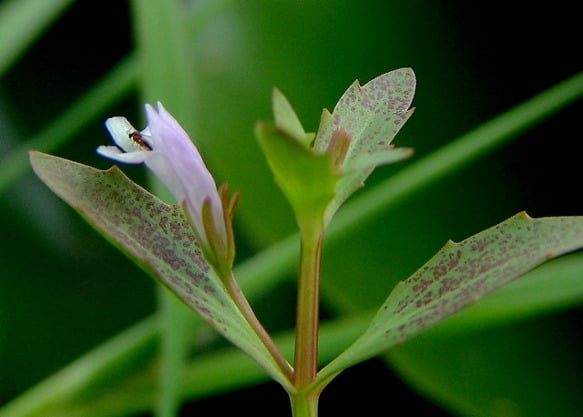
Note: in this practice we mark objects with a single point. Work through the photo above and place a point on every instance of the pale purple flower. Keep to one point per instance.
(167, 150)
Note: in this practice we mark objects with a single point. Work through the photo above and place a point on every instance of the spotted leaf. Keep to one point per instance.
(371, 116)
(157, 237)
(459, 275)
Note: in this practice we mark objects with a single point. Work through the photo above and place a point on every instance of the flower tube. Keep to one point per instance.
(165, 148)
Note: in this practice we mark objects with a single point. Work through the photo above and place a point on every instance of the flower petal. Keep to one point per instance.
(185, 172)
(121, 131)
(113, 152)
(161, 166)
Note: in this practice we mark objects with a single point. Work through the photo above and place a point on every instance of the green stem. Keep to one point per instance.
(307, 312)
(304, 405)
(247, 312)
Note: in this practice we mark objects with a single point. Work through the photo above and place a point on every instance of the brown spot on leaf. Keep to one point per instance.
(462, 273)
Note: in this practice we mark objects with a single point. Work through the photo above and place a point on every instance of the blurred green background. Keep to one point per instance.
(63, 289)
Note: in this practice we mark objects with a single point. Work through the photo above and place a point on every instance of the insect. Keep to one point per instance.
(138, 138)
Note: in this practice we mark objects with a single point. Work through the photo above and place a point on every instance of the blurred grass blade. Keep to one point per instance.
(257, 276)
(103, 94)
(78, 386)
(176, 324)
(21, 23)
(206, 377)
(166, 70)
(167, 75)
(135, 393)
(111, 88)
(102, 362)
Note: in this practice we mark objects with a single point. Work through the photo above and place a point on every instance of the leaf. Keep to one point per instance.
(307, 179)
(371, 115)
(158, 238)
(378, 158)
(459, 275)
(287, 120)
(552, 287)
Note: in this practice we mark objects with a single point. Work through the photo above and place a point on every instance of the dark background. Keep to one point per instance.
(63, 289)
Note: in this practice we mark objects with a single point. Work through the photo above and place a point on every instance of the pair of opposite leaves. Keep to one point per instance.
(351, 141)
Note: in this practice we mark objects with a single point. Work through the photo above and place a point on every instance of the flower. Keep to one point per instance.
(165, 148)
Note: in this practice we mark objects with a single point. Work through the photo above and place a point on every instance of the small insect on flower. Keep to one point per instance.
(138, 138)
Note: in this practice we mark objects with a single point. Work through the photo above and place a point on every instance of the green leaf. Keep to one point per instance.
(306, 178)
(459, 275)
(552, 287)
(287, 120)
(371, 116)
(158, 238)
(378, 158)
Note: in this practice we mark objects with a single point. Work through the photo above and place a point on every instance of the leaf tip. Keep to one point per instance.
(355, 85)
(407, 151)
(38, 161)
(408, 70)
(276, 93)
(259, 128)
(34, 156)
